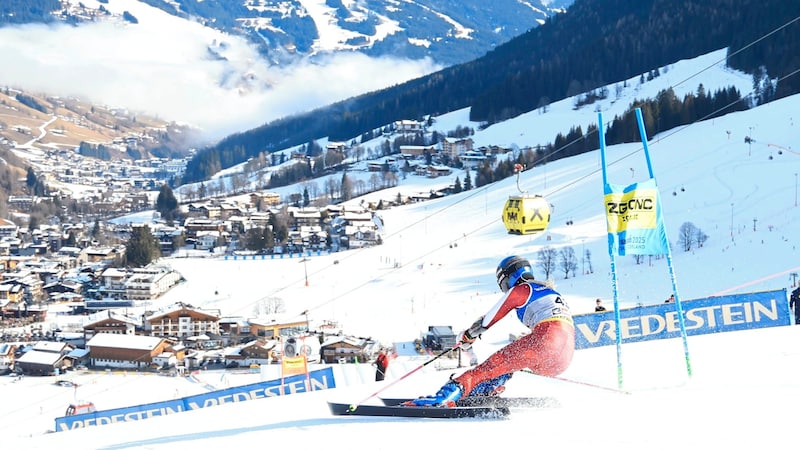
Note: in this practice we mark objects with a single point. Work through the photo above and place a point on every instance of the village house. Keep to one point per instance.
(228, 210)
(416, 151)
(472, 159)
(164, 360)
(259, 219)
(348, 349)
(102, 254)
(181, 322)
(312, 237)
(173, 357)
(7, 357)
(10, 292)
(388, 164)
(8, 229)
(408, 126)
(123, 351)
(113, 283)
(207, 240)
(109, 322)
(360, 229)
(259, 351)
(193, 226)
(305, 217)
(238, 224)
(22, 202)
(149, 283)
(206, 341)
(44, 358)
(12, 301)
(58, 288)
(438, 171)
(197, 210)
(30, 283)
(275, 326)
(264, 200)
(234, 326)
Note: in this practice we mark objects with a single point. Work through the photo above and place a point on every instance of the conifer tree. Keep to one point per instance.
(142, 247)
(166, 203)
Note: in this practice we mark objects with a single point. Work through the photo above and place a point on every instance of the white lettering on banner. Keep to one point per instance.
(123, 417)
(319, 384)
(272, 391)
(651, 324)
(630, 326)
(315, 383)
(605, 326)
(696, 318)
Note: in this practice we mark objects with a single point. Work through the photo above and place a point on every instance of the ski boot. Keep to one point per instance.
(447, 396)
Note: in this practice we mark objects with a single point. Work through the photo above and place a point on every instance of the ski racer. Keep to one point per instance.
(547, 350)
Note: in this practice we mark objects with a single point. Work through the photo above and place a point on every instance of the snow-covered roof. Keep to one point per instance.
(112, 272)
(37, 357)
(128, 341)
(49, 346)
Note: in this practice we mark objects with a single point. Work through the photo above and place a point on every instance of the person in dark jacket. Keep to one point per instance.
(381, 364)
(599, 306)
(794, 303)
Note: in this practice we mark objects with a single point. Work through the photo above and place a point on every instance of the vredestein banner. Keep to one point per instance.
(703, 316)
(634, 219)
(313, 381)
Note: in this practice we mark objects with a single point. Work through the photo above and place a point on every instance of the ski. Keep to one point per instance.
(344, 409)
(494, 402)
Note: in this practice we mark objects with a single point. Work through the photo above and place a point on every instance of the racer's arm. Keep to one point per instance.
(514, 298)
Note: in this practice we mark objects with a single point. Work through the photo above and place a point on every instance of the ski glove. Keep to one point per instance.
(471, 334)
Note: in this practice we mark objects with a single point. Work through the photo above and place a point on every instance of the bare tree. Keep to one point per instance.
(687, 236)
(547, 260)
(389, 179)
(360, 187)
(313, 188)
(190, 193)
(700, 237)
(567, 261)
(238, 182)
(374, 181)
(269, 305)
(359, 152)
(333, 187)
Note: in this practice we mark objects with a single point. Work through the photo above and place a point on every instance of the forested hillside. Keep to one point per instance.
(595, 43)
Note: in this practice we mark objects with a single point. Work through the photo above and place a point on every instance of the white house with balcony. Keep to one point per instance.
(149, 283)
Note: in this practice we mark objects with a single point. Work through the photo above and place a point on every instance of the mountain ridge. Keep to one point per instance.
(447, 31)
(556, 60)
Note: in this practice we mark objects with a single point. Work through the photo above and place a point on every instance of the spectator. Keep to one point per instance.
(599, 307)
(671, 299)
(381, 364)
(794, 303)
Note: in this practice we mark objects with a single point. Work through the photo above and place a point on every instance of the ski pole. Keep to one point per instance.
(582, 383)
(419, 367)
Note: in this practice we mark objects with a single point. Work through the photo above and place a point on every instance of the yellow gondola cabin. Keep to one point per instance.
(526, 214)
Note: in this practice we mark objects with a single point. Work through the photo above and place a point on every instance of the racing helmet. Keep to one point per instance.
(510, 270)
